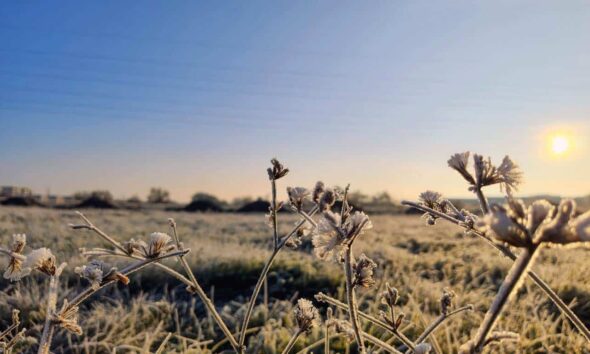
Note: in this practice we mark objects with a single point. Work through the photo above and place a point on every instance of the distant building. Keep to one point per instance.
(14, 191)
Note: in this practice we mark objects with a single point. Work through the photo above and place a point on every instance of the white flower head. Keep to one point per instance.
(306, 315)
(41, 259)
(159, 243)
(297, 196)
(14, 270)
(327, 239)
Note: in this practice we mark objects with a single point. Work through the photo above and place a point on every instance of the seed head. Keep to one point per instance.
(363, 272)
(390, 296)
(97, 272)
(446, 301)
(297, 196)
(306, 315)
(327, 200)
(460, 162)
(14, 270)
(277, 170)
(41, 259)
(318, 190)
(67, 318)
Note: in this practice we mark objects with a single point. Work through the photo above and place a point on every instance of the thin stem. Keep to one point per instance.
(330, 300)
(483, 201)
(90, 226)
(308, 218)
(439, 321)
(275, 226)
(351, 299)
(327, 339)
(132, 268)
(381, 343)
(509, 286)
(564, 308)
(263, 275)
(292, 342)
(194, 285)
(47, 336)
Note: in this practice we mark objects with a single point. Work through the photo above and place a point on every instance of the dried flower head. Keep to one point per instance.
(277, 170)
(132, 246)
(97, 272)
(389, 296)
(306, 315)
(318, 190)
(460, 162)
(297, 196)
(540, 222)
(327, 200)
(446, 301)
(363, 271)
(508, 175)
(67, 318)
(14, 270)
(331, 236)
(41, 259)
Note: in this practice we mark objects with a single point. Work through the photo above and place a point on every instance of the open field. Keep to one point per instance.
(227, 253)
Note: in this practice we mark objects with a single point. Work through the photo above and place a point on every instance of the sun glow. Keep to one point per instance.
(560, 144)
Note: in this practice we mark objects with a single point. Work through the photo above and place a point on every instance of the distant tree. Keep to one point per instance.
(158, 195)
(134, 199)
(102, 195)
(206, 197)
(239, 202)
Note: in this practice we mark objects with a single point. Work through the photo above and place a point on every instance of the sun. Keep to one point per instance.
(560, 144)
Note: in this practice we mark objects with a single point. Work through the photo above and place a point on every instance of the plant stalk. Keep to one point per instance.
(351, 299)
(509, 287)
(263, 275)
(48, 329)
(292, 342)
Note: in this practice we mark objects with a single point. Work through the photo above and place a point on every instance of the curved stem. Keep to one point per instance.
(509, 286)
(563, 307)
(351, 298)
(292, 342)
(263, 275)
(380, 343)
(439, 321)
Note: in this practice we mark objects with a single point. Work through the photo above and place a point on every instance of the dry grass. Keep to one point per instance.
(228, 252)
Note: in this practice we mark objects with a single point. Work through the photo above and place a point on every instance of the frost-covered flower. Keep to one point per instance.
(460, 162)
(327, 238)
(97, 271)
(364, 268)
(318, 190)
(508, 174)
(14, 270)
(277, 170)
(330, 235)
(67, 318)
(327, 200)
(446, 301)
(41, 259)
(540, 222)
(297, 196)
(159, 243)
(389, 296)
(306, 315)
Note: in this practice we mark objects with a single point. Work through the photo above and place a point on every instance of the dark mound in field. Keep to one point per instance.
(96, 203)
(258, 206)
(21, 201)
(203, 206)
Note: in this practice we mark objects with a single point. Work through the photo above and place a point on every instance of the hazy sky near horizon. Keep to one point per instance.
(198, 96)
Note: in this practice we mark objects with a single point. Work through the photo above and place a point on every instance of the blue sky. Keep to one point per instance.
(197, 96)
